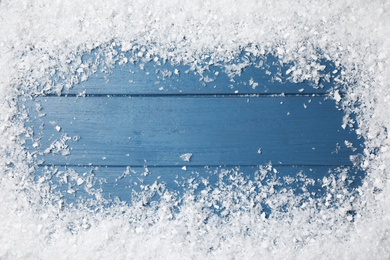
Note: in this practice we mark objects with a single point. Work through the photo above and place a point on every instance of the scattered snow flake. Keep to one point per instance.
(82, 93)
(259, 151)
(59, 146)
(41, 180)
(71, 191)
(184, 168)
(207, 79)
(349, 145)
(186, 157)
(80, 181)
(253, 83)
(337, 96)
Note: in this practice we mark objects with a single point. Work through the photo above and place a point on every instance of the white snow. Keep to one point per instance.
(186, 157)
(43, 39)
(336, 96)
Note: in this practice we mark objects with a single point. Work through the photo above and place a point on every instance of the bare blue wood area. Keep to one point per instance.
(216, 130)
(143, 123)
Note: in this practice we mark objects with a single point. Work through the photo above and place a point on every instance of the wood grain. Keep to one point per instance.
(124, 182)
(121, 130)
(262, 76)
(147, 115)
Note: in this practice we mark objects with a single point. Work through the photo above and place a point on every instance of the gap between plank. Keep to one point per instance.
(195, 166)
(196, 95)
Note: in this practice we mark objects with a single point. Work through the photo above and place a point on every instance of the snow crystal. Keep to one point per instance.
(186, 157)
(336, 96)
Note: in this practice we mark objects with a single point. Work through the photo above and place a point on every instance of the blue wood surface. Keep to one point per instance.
(219, 130)
(125, 182)
(147, 115)
(264, 75)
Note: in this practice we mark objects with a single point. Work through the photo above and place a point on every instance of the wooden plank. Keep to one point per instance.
(260, 76)
(230, 130)
(121, 182)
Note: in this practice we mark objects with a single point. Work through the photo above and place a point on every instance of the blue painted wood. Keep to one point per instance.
(149, 114)
(121, 130)
(259, 76)
(124, 183)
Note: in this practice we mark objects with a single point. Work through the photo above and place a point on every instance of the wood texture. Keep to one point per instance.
(149, 115)
(121, 130)
(125, 182)
(264, 75)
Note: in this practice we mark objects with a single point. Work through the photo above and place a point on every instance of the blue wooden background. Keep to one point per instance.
(131, 127)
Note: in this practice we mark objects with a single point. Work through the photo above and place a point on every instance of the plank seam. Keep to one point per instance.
(193, 166)
(242, 95)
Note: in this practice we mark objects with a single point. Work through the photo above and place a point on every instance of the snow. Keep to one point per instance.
(186, 157)
(42, 39)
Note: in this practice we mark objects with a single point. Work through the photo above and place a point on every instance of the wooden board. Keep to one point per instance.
(221, 130)
(124, 183)
(146, 116)
(265, 75)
